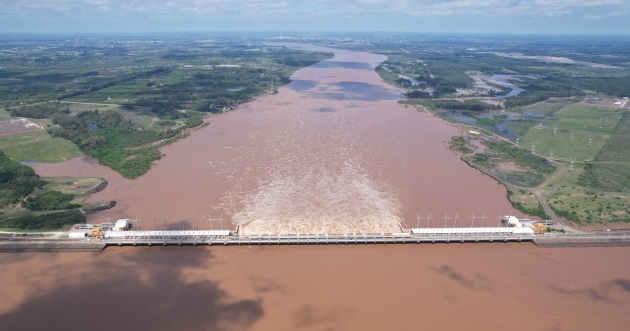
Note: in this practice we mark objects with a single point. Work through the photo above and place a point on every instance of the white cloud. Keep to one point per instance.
(370, 13)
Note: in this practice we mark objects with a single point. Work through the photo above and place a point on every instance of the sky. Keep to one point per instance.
(422, 16)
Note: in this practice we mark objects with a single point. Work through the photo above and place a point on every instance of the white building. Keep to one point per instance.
(513, 222)
(121, 225)
(77, 235)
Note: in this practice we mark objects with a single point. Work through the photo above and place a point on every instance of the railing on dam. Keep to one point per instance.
(150, 238)
(173, 234)
(222, 238)
(472, 231)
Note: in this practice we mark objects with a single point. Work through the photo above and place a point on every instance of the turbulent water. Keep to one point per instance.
(332, 152)
(319, 201)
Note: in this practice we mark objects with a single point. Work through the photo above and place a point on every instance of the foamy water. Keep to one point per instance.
(317, 200)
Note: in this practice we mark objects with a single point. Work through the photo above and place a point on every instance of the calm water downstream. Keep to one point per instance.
(411, 287)
(332, 151)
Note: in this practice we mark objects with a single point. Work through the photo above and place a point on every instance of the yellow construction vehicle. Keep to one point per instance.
(97, 233)
(540, 228)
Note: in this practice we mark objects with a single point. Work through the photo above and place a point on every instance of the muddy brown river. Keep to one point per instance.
(379, 287)
(331, 152)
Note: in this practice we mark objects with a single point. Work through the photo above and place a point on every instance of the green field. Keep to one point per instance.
(118, 94)
(585, 121)
(610, 172)
(48, 150)
(38, 146)
(17, 139)
(547, 107)
(583, 208)
(76, 107)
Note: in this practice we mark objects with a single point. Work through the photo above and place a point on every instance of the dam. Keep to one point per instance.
(230, 238)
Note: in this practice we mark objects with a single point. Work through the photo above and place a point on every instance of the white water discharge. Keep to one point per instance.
(319, 201)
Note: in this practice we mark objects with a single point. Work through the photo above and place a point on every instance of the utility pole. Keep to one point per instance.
(446, 218)
(424, 218)
(473, 217)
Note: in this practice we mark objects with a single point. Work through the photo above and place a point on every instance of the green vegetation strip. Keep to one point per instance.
(52, 200)
(48, 150)
(534, 168)
(16, 181)
(50, 221)
(611, 177)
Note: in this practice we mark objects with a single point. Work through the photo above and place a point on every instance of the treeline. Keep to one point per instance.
(417, 94)
(16, 181)
(571, 216)
(470, 105)
(38, 111)
(538, 211)
(52, 200)
(51, 221)
(75, 128)
(529, 98)
(617, 86)
(437, 93)
(128, 78)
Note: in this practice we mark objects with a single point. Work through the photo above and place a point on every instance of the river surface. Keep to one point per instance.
(379, 287)
(331, 152)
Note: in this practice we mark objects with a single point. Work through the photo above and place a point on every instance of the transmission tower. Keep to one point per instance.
(210, 220)
(555, 129)
(571, 136)
(551, 151)
(590, 141)
(446, 218)
(428, 218)
(571, 166)
(540, 126)
(473, 217)
(518, 140)
(533, 148)
(137, 226)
